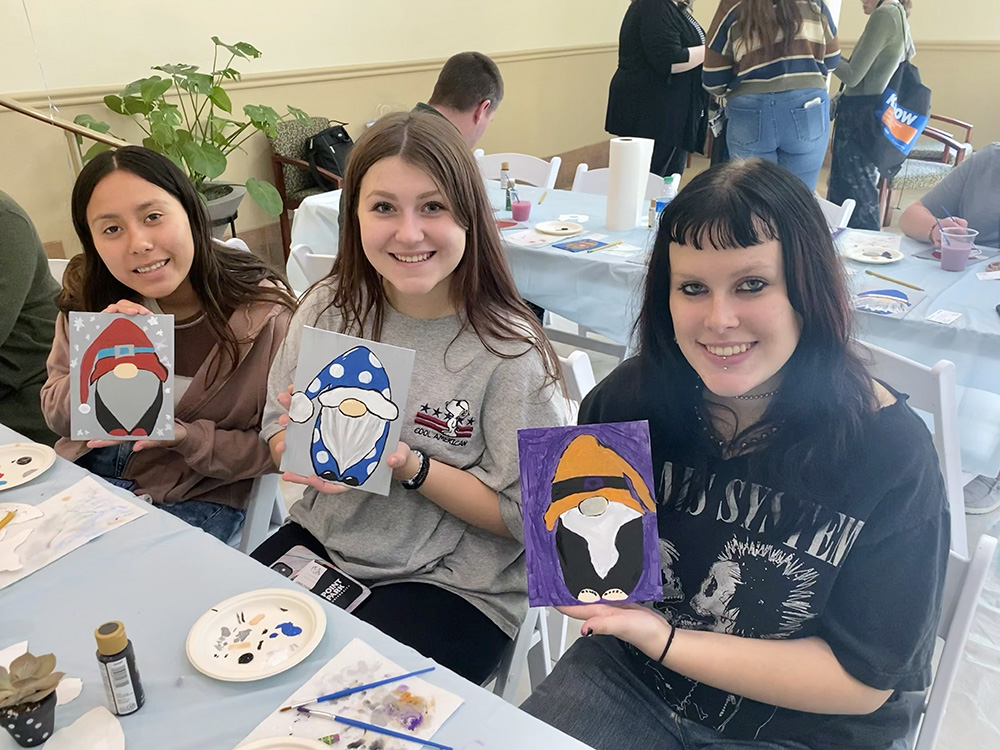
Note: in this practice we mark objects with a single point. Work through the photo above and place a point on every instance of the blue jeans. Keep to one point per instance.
(780, 128)
(591, 696)
(220, 521)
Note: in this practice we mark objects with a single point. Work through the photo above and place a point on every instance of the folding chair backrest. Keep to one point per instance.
(523, 168)
(836, 216)
(595, 181)
(932, 390)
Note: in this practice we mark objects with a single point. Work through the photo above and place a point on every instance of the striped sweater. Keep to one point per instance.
(733, 67)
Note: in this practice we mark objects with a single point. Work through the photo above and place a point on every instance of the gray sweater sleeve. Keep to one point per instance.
(867, 58)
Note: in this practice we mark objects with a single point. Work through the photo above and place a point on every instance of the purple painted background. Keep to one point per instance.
(539, 451)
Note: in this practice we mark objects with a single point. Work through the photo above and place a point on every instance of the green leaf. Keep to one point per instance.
(230, 73)
(89, 122)
(248, 49)
(265, 119)
(168, 114)
(199, 83)
(115, 103)
(133, 88)
(23, 667)
(94, 150)
(265, 195)
(161, 133)
(46, 663)
(299, 114)
(221, 99)
(154, 88)
(133, 105)
(181, 69)
(204, 159)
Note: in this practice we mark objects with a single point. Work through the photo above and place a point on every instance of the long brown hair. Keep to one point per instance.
(481, 288)
(223, 278)
(761, 21)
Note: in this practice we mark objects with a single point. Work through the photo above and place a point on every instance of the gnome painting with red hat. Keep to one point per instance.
(589, 514)
(120, 375)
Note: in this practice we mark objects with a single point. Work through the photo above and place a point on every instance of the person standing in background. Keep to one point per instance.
(27, 322)
(884, 43)
(656, 92)
(770, 59)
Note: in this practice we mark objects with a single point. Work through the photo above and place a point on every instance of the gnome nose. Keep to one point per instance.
(126, 371)
(594, 505)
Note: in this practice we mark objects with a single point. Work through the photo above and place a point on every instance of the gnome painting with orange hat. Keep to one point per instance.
(120, 375)
(589, 514)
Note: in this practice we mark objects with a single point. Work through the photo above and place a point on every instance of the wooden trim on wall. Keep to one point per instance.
(95, 94)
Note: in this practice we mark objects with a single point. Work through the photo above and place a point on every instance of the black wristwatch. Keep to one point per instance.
(415, 482)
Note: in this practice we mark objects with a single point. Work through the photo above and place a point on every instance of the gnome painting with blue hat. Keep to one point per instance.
(349, 406)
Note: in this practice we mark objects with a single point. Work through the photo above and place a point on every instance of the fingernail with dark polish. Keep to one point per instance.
(590, 631)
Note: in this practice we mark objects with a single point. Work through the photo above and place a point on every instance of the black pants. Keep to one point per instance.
(667, 159)
(439, 624)
(852, 173)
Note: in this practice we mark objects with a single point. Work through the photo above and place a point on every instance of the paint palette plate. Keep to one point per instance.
(875, 254)
(561, 228)
(22, 462)
(255, 635)
(284, 743)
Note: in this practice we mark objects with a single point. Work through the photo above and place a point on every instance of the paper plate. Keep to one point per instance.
(22, 462)
(562, 228)
(877, 255)
(284, 743)
(257, 634)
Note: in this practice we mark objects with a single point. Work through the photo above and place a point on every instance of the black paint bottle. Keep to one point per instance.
(118, 670)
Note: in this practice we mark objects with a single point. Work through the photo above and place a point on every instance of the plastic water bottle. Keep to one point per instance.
(505, 184)
(667, 194)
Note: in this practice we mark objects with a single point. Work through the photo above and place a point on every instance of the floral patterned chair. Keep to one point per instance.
(291, 170)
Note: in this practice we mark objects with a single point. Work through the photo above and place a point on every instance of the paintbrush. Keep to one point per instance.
(7, 518)
(544, 193)
(356, 689)
(603, 247)
(941, 231)
(895, 281)
(374, 728)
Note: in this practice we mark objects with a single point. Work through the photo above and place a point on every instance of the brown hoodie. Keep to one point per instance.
(222, 452)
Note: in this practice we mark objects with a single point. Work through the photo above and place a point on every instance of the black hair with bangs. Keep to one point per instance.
(826, 392)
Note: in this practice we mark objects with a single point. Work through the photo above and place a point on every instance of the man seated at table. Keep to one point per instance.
(970, 193)
(467, 93)
(27, 322)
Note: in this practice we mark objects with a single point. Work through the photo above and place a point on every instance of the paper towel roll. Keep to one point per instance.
(628, 170)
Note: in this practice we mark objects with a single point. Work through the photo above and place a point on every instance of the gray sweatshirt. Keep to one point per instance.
(404, 537)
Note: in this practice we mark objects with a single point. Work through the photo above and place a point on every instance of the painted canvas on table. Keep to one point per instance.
(345, 413)
(589, 514)
(121, 376)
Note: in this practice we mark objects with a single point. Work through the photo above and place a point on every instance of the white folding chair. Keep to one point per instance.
(523, 168)
(836, 216)
(963, 584)
(57, 267)
(531, 647)
(265, 512)
(305, 268)
(932, 390)
(595, 181)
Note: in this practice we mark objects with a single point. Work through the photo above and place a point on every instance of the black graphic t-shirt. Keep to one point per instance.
(860, 567)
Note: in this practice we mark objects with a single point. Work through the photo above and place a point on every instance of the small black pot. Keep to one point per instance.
(30, 724)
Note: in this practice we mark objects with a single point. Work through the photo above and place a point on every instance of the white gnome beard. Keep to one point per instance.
(349, 439)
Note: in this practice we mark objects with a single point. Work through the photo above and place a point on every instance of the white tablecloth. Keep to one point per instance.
(158, 575)
(603, 292)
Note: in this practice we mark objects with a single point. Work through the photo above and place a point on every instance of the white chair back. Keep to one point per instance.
(963, 584)
(932, 390)
(305, 267)
(265, 512)
(530, 647)
(57, 267)
(595, 181)
(523, 168)
(836, 216)
(578, 374)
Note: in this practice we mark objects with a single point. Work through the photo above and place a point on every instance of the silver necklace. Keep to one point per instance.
(757, 396)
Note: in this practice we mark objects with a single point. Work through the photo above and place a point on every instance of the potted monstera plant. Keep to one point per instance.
(28, 698)
(187, 116)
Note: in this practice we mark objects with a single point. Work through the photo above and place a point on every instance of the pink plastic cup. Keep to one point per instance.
(959, 237)
(954, 257)
(520, 210)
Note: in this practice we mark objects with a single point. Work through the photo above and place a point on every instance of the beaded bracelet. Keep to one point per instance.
(417, 480)
(670, 639)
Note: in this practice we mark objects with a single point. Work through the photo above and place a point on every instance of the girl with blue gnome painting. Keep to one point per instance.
(420, 266)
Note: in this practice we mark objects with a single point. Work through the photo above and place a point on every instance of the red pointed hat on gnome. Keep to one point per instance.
(128, 344)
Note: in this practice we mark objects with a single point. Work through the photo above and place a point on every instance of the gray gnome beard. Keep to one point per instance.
(128, 399)
(350, 439)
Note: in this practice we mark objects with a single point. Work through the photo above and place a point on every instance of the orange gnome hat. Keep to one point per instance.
(587, 468)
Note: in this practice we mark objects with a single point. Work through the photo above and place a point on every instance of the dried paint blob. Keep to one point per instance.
(287, 628)
(23, 460)
(403, 708)
(246, 658)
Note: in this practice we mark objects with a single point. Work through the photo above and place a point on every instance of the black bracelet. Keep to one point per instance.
(417, 480)
(670, 639)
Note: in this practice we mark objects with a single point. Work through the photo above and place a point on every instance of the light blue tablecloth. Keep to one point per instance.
(603, 292)
(158, 576)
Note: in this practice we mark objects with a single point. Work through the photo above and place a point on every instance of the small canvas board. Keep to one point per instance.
(344, 421)
(889, 302)
(40, 534)
(413, 706)
(590, 531)
(529, 238)
(121, 376)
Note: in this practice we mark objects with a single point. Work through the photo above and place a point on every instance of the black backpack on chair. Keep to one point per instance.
(328, 150)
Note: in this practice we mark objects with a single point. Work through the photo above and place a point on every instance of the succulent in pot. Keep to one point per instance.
(28, 699)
